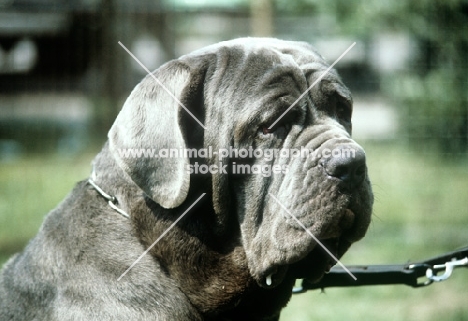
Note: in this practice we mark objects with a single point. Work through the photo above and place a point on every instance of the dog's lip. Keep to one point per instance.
(313, 266)
(318, 262)
(333, 245)
(272, 277)
(315, 263)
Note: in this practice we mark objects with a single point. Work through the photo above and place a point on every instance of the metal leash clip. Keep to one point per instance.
(448, 266)
(407, 274)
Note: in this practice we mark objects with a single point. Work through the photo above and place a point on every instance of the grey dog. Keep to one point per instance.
(237, 252)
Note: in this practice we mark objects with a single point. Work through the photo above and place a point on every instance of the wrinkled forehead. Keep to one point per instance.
(240, 65)
(250, 73)
(299, 54)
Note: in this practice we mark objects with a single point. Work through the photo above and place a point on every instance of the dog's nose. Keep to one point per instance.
(346, 162)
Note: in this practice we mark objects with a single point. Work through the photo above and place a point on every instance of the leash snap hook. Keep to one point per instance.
(449, 266)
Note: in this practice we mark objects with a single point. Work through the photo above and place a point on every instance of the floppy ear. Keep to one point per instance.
(149, 122)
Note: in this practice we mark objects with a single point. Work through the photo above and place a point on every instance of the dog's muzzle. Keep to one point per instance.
(331, 200)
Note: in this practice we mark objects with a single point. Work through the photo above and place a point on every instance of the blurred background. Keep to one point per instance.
(63, 79)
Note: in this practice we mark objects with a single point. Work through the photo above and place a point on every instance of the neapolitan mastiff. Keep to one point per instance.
(237, 253)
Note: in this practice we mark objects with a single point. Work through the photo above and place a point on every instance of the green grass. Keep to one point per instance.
(420, 211)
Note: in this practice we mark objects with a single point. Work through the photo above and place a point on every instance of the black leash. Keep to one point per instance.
(408, 274)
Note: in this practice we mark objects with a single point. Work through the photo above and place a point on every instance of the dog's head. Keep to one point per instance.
(282, 163)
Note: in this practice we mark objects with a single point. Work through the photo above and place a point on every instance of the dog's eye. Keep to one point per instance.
(278, 130)
(266, 131)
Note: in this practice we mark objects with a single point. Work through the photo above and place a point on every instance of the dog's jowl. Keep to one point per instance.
(275, 169)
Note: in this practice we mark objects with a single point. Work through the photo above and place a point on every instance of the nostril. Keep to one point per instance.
(342, 172)
(351, 170)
